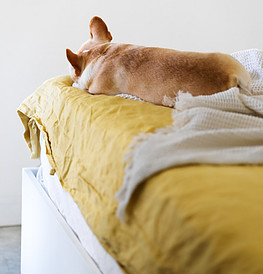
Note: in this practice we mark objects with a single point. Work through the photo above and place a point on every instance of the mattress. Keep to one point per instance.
(70, 211)
(185, 219)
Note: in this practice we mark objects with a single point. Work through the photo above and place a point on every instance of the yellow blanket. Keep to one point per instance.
(192, 219)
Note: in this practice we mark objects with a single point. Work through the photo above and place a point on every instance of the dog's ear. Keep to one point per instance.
(99, 30)
(76, 61)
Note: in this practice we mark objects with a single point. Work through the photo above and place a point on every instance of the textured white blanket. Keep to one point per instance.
(225, 128)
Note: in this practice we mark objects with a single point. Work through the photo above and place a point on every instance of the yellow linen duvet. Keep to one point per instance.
(190, 219)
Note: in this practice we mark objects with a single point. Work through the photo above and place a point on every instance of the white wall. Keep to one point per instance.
(34, 35)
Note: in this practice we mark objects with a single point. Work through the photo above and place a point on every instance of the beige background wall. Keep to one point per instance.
(34, 35)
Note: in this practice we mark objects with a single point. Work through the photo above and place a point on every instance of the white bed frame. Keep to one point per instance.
(49, 246)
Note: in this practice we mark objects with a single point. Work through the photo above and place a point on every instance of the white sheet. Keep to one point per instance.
(69, 209)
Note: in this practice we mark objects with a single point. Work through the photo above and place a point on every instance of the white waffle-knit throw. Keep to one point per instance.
(128, 96)
(224, 128)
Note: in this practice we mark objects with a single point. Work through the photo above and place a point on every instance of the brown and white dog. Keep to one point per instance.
(150, 73)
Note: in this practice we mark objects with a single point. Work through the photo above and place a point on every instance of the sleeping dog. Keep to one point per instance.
(150, 73)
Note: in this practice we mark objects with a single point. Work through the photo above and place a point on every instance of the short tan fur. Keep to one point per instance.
(150, 73)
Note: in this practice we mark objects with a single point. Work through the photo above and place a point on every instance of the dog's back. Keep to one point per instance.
(152, 73)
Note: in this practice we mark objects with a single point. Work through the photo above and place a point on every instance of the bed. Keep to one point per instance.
(188, 218)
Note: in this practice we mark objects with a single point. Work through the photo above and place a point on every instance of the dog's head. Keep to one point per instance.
(99, 34)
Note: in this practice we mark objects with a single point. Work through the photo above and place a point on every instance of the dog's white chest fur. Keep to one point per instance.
(85, 79)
